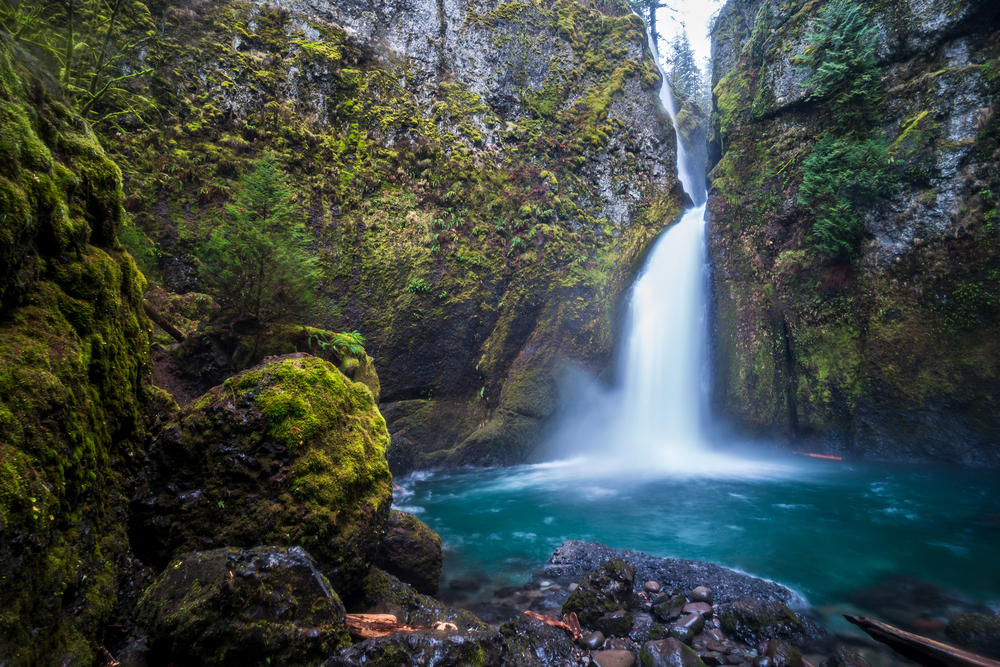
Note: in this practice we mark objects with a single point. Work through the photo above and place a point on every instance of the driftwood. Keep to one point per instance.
(570, 622)
(366, 626)
(162, 322)
(925, 651)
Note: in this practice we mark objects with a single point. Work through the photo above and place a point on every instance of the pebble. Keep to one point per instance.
(544, 584)
(592, 641)
(702, 608)
(701, 594)
(652, 587)
(715, 634)
(714, 658)
(615, 658)
(572, 587)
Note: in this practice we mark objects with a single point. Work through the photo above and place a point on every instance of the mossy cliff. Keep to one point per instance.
(479, 180)
(891, 350)
(74, 374)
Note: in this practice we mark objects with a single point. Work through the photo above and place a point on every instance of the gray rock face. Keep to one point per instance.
(530, 643)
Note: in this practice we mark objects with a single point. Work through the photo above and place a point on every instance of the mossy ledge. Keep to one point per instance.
(74, 374)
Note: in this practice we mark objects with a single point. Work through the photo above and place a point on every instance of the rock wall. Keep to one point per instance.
(74, 374)
(891, 355)
(480, 179)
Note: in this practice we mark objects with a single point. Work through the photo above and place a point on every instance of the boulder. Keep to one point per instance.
(750, 620)
(382, 593)
(425, 648)
(978, 632)
(412, 552)
(666, 609)
(845, 657)
(591, 641)
(530, 643)
(616, 624)
(605, 590)
(687, 627)
(668, 653)
(289, 452)
(235, 607)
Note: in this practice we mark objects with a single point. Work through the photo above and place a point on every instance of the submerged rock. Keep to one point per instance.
(750, 620)
(412, 552)
(605, 590)
(236, 607)
(288, 452)
(978, 632)
(425, 648)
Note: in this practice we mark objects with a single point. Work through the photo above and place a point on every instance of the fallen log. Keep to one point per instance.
(366, 626)
(569, 623)
(922, 650)
(162, 322)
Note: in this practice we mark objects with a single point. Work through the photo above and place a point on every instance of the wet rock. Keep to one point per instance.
(425, 648)
(701, 594)
(978, 632)
(618, 643)
(260, 460)
(617, 624)
(615, 658)
(382, 593)
(687, 627)
(702, 608)
(231, 606)
(574, 558)
(605, 590)
(533, 644)
(668, 653)
(714, 658)
(652, 587)
(666, 609)
(715, 635)
(782, 655)
(412, 552)
(845, 657)
(751, 620)
(592, 641)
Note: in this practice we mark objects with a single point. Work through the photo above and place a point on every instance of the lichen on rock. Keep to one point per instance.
(289, 452)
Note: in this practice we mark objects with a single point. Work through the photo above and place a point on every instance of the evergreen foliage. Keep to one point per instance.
(847, 170)
(256, 261)
(841, 55)
(84, 44)
(684, 73)
(840, 177)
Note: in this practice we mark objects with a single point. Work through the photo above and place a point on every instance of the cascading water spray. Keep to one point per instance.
(654, 414)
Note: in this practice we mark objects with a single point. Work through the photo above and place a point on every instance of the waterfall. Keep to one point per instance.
(652, 419)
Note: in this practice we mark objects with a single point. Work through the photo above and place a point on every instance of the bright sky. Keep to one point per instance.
(695, 16)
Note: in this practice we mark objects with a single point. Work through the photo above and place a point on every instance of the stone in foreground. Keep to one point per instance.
(238, 607)
(668, 653)
(412, 552)
(605, 590)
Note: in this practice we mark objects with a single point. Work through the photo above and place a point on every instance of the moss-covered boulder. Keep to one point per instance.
(604, 591)
(412, 552)
(382, 593)
(236, 607)
(74, 374)
(751, 620)
(668, 653)
(978, 632)
(289, 452)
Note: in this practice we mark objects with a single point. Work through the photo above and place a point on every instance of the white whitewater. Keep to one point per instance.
(651, 423)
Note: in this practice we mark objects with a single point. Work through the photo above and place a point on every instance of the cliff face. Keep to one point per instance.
(892, 354)
(74, 374)
(480, 179)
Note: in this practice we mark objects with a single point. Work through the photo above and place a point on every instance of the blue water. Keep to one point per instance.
(822, 528)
